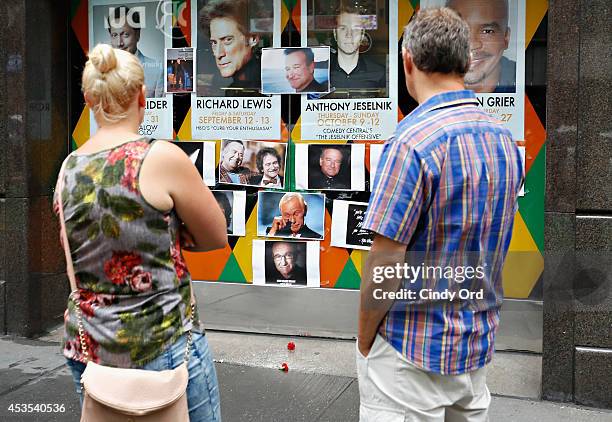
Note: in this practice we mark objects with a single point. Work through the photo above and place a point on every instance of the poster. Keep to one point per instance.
(138, 26)
(233, 205)
(295, 70)
(179, 70)
(253, 163)
(202, 155)
(330, 167)
(362, 103)
(497, 71)
(375, 153)
(291, 215)
(228, 36)
(347, 222)
(286, 263)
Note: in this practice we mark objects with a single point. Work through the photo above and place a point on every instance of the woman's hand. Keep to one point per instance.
(186, 238)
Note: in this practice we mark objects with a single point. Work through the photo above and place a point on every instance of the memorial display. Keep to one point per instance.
(219, 75)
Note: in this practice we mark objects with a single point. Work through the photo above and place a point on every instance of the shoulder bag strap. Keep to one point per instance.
(69, 264)
(63, 233)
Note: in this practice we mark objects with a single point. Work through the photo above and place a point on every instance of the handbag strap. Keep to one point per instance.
(72, 278)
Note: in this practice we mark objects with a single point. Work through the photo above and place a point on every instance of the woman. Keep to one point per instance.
(125, 198)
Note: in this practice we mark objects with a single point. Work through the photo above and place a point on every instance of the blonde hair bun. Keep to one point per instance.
(103, 58)
(112, 79)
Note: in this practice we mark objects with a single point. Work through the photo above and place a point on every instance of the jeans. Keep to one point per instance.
(202, 390)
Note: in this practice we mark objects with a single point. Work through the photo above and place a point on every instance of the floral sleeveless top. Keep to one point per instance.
(133, 285)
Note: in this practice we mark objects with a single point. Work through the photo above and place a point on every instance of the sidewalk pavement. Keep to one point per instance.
(320, 384)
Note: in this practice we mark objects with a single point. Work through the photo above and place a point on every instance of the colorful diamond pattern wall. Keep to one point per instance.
(341, 268)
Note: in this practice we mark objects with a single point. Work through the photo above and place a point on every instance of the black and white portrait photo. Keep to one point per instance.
(286, 263)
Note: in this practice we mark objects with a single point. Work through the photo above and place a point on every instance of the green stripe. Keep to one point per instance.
(532, 204)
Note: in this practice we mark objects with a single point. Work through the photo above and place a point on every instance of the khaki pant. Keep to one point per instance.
(392, 389)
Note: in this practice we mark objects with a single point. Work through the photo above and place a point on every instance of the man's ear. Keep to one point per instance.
(407, 61)
(506, 38)
(335, 35)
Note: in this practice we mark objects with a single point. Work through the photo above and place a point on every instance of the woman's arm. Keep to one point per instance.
(168, 179)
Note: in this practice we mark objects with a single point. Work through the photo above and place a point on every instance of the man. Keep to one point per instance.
(226, 23)
(230, 168)
(126, 37)
(327, 175)
(226, 207)
(268, 162)
(489, 70)
(178, 74)
(290, 223)
(285, 269)
(448, 180)
(348, 68)
(299, 70)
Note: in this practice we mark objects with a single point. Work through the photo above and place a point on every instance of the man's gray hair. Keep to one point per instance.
(292, 195)
(438, 41)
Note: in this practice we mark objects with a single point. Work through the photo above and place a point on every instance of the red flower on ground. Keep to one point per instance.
(284, 367)
(291, 346)
(177, 258)
(119, 268)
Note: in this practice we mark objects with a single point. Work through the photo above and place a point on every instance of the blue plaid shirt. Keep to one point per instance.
(448, 182)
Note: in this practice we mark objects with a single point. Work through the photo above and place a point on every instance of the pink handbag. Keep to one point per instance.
(119, 394)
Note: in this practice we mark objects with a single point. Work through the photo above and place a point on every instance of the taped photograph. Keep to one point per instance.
(252, 163)
(330, 167)
(202, 155)
(179, 70)
(347, 222)
(286, 263)
(233, 205)
(291, 215)
(295, 70)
